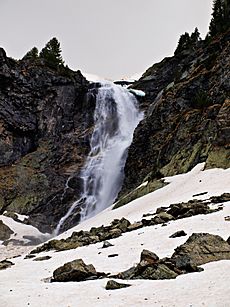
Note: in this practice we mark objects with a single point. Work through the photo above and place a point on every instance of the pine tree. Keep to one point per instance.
(51, 54)
(220, 17)
(195, 37)
(32, 54)
(183, 44)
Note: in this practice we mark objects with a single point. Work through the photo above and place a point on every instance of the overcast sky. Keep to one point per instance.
(110, 38)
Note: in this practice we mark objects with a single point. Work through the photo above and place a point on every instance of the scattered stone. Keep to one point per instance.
(113, 285)
(113, 255)
(179, 233)
(5, 231)
(107, 244)
(75, 270)
(135, 226)
(117, 227)
(4, 264)
(222, 198)
(148, 214)
(165, 216)
(227, 218)
(161, 209)
(30, 256)
(42, 258)
(199, 194)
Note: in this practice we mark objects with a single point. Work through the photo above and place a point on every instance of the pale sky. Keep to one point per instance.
(109, 38)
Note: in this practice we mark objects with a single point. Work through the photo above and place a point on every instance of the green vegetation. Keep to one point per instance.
(51, 54)
(187, 42)
(32, 54)
(220, 17)
(201, 100)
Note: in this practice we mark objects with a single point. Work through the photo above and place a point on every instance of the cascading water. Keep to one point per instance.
(116, 116)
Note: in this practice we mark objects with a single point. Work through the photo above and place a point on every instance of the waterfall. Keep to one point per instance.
(116, 116)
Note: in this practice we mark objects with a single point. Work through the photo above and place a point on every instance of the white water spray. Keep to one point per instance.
(115, 117)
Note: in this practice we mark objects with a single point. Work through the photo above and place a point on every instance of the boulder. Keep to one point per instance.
(4, 264)
(113, 285)
(106, 244)
(5, 231)
(148, 257)
(43, 258)
(75, 270)
(201, 248)
(179, 233)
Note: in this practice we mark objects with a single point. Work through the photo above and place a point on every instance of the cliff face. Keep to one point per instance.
(187, 107)
(45, 123)
(46, 119)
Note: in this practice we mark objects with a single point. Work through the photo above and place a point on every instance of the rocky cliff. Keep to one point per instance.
(187, 114)
(45, 122)
(46, 119)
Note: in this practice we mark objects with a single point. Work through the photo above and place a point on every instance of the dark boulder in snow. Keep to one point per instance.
(113, 285)
(179, 233)
(201, 248)
(76, 270)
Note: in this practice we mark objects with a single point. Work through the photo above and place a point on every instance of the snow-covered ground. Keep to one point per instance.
(23, 284)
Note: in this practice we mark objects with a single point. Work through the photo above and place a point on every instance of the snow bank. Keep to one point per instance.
(23, 284)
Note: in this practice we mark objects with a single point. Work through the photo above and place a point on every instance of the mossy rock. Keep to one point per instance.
(218, 157)
(185, 159)
(139, 192)
(23, 204)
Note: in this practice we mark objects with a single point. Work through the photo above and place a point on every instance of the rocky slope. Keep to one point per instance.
(45, 122)
(46, 119)
(187, 106)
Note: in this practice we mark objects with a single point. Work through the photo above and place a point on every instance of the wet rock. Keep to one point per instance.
(75, 270)
(201, 248)
(4, 264)
(113, 285)
(179, 233)
(5, 231)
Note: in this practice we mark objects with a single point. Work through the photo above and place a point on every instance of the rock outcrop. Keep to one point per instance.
(5, 231)
(46, 119)
(201, 248)
(187, 115)
(76, 270)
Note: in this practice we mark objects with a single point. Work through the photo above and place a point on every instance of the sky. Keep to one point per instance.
(110, 38)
